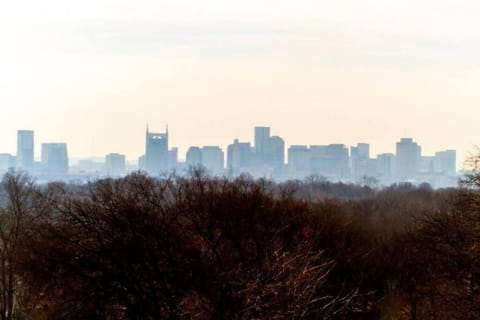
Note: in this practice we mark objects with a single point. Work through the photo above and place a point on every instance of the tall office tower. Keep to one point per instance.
(427, 164)
(362, 150)
(7, 162)
(446, 162)
(338, 155)
(142, 163)
(239, 156)
(319, 162)
(274, 154)
(55, 158)
(213, 159)
(262, 134)
(385, 166)
(360, 161)
(25, 150)
(115, 165)
(299, 157)
(156, 152)
(194, 157)
(173, 158)
(331, 161)
(408, 157)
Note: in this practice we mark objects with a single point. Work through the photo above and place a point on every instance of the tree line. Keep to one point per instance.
(200, 247)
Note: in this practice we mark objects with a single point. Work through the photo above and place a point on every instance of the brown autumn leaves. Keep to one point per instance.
(218, 248)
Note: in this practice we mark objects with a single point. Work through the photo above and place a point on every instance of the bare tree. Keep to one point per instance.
(19, 199)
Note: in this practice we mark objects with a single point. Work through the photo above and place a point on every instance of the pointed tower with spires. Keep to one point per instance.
(156, 152)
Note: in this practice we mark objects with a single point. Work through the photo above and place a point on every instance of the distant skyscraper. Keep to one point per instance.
(25, 150)
(239, 156)
(446, 162)
(55, 158)
(213, 159)
(385, 166)
(299, 157)
(274, 154)
(331, 161)
(173, 158)
(142, 163)
(7, 162)
(115, 165)
(269, 154)
(194, 157)
(408, 157)
(262, 134)
(156, 152)
(427, 164)
(360, 161)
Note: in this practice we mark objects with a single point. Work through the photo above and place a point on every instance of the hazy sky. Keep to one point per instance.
(92, 72)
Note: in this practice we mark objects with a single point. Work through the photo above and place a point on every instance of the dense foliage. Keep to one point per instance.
(218, 248)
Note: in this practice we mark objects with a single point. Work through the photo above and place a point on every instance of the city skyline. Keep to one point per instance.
(182, 154)
(266, 157)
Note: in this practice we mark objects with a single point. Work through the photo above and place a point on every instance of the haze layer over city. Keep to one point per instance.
(264, 158)
(92, 73)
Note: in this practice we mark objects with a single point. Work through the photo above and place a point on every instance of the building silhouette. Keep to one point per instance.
(407, 159)
(262, 134)
(385, 167)
(54, 158)
(7, 162)
(331, 161)
(115, 165)
(446, 162)
(360, 163)
(156, 152)
(298, 161)
(213, 159)
(25, 150)
(173, 158)
(194, 157)
(239, 157)
(269, 153)
(274, 155)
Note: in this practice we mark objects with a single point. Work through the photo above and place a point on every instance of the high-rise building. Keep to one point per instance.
(194, 157)
(299, 157)
(360, 161)
(142, 163)
(427, 164)
(407, 159)
(55, 158)
(362, 150)
(25, 150)
(213, 159)
(446, 162)
(331, 161)
(7, 162)
(173, 158)
(339, 157)
(239, 156)
(274, 154)
(115, 165)
(262, 134)
(385, 166)
(156, 152)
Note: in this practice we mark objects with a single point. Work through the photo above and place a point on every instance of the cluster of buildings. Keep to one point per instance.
(335, 162)
(54, 157)
(266, 158)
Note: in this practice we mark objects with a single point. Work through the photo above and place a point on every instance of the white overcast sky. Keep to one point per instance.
(92, 73)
